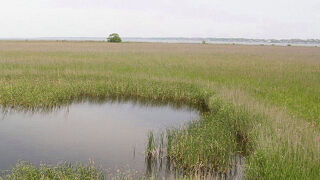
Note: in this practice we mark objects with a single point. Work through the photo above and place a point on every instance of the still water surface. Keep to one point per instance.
(112, 134)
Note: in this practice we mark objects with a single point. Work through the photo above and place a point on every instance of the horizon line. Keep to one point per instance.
(155, 37)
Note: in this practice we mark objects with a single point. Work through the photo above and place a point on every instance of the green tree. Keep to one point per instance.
(114, 37)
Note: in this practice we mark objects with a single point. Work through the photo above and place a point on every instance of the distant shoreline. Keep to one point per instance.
(241, 41)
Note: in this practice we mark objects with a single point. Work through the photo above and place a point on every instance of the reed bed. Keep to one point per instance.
(262, 102)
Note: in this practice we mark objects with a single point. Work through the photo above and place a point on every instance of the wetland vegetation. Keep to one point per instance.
(261, 102)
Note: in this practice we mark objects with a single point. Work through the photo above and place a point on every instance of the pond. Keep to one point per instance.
(112, 134)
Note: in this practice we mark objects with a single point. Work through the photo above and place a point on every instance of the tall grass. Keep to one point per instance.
(27, 171)
(260, 101)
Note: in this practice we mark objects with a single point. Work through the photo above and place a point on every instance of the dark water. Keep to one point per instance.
(113, 135)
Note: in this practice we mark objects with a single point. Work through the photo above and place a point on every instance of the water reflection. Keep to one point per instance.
(113, 134)
(160, 166)
(139, 101)
(163, 168)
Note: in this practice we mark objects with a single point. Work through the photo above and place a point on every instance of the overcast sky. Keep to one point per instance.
(161, 18)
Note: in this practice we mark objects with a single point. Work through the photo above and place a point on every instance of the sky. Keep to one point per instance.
(278, 19)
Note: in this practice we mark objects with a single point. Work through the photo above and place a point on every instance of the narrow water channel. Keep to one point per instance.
(112, 134)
